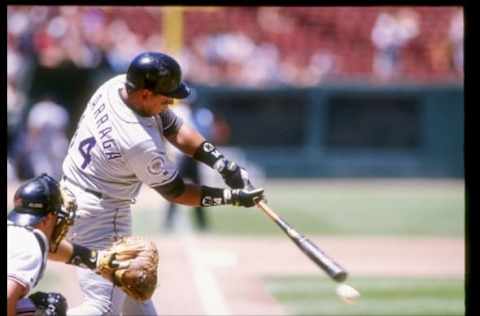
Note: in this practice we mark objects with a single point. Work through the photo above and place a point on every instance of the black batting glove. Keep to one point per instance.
(234, 176)
(244, 197)
(49, 304)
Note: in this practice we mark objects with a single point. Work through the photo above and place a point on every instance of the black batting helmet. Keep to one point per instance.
(34, 200)
(158, 73)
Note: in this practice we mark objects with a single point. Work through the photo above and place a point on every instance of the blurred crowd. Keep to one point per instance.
(247, 46)
(250, 45)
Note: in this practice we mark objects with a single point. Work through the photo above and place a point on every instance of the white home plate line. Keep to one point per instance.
(207, 287)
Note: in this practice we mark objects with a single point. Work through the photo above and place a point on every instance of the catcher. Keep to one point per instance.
(36, 227)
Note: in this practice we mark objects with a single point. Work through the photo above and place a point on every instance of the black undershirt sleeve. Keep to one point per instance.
(171, 190)
(171, 122)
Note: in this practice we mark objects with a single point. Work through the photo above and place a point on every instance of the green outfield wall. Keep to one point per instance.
(346, 131)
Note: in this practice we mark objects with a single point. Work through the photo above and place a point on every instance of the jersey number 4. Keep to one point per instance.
(85, 147)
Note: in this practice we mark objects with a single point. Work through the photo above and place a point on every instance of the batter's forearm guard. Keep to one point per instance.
(209, 155)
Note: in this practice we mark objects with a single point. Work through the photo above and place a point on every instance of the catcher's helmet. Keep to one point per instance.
(34, 200)
(158, 73)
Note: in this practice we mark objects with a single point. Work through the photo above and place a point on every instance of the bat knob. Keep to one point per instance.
(340, 276)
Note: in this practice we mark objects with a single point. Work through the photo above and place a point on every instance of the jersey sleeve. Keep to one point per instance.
(150, 164)
(25, 307)
(24, 266)
(170, 121)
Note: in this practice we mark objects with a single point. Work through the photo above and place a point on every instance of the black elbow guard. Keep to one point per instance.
(172, 189)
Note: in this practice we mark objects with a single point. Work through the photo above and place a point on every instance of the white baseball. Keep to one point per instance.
(347, 293)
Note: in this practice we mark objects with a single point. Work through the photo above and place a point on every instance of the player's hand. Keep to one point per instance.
(234, 176)
(49, 304)
(247, 197)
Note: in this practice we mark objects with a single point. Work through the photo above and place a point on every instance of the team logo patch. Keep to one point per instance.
(208, 147)
(155, 166)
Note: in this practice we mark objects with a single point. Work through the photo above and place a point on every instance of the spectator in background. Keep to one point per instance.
(456, 40)
(45, 143)
(322, 66)
(221, 129)
(260, 69)
(275, 20)
(187, 167)
(261, 51)
(16, 101)
(11, 174)
(198, 68)
(240, 60)
(125, 45)
(390, 33)
(290, 71)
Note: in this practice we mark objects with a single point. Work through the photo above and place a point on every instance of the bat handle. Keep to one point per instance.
(250, 187)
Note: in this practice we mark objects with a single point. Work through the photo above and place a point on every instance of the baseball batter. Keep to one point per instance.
(120, 144)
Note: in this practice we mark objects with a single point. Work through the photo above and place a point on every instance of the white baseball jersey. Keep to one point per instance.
(27, 251)
(115, 150)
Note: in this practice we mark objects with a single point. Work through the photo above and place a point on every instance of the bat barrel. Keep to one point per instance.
(333, 269)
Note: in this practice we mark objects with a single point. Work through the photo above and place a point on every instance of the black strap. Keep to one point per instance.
(43, 248)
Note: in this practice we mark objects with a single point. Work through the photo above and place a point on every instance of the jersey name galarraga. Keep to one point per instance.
(114, 150)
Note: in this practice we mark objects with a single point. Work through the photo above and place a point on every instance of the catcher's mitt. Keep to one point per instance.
(131, 263)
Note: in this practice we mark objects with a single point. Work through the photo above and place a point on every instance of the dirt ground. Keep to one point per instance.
(217, 275)
(211, 275)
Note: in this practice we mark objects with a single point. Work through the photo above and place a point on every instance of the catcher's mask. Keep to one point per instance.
(37, 198)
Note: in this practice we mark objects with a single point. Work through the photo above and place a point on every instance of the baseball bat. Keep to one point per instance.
(327, 264)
